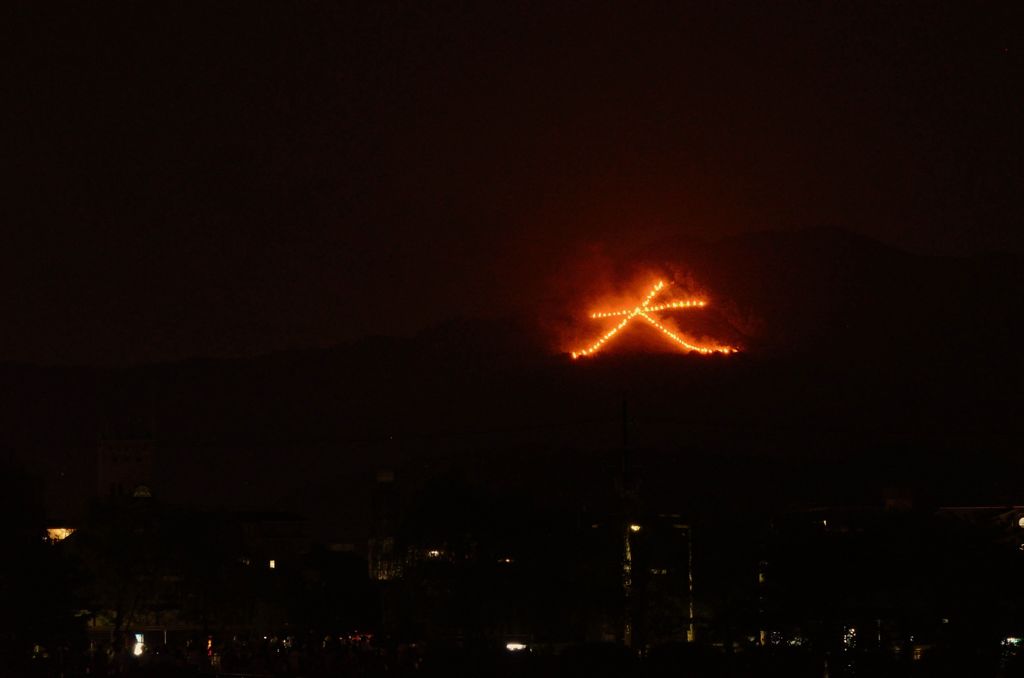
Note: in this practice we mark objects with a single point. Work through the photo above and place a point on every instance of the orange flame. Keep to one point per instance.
(643, 311)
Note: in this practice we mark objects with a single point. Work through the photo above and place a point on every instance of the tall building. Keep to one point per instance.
(657, 578)
(383, 557)
(125, 468)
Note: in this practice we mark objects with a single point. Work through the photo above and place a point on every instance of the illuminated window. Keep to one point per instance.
(515, 647)
(56, 534)
(634, 528)
(272, 564)
(140, 645)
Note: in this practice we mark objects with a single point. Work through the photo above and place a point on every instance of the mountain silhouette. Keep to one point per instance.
(852, 350)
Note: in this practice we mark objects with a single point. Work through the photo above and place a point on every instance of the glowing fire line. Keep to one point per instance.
(642, 311)
(659, 307)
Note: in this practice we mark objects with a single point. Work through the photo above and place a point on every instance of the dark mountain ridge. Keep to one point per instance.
(856, 354)
(816, 300)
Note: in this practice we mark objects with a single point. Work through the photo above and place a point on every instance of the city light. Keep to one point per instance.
(643, 311)
(56, 534)
(140, 645)
(515, 647)
(634, 528)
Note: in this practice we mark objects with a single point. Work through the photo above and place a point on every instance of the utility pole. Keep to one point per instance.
(691, 631)
(627, 495)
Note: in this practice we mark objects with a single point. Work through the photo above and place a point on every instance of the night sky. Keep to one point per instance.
(226, 179)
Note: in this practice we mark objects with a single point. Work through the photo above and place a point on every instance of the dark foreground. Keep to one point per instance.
(326, 658)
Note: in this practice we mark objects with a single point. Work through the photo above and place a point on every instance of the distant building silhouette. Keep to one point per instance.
(126, 453)
(125, 468)
(383, 556)
(656, 579)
